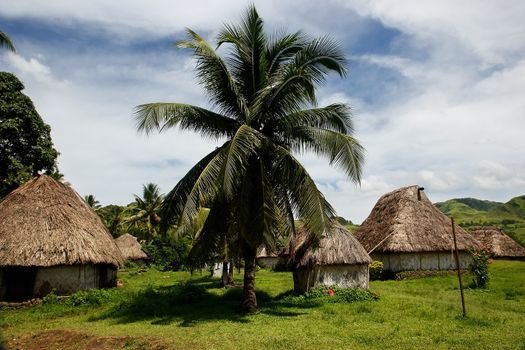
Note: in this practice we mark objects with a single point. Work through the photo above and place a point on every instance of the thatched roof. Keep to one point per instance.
(46, 223)
(498, 243)
(336, 247)
(404, 221)
(262, 252)
(130, 247)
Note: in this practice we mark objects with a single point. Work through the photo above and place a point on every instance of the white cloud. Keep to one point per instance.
(453, 122)
(490, 30)
(32, 68)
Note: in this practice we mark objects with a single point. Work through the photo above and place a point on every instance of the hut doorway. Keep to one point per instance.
(19, 282)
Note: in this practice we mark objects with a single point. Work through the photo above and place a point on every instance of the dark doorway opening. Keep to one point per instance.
(19, 282)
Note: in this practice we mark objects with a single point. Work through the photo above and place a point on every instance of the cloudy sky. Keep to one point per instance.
(437, 89)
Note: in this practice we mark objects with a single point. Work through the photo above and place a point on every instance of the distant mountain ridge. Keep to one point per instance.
(472, 212)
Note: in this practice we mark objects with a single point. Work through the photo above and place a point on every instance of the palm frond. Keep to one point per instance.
(343, 151)
(248, 60)
(213, 74)
(335, 117)
(162, 116)
(293, 85)
(174, 201)
(243, 146)
(282, 49)
(306, 199)
(6, 42)
(204, 190)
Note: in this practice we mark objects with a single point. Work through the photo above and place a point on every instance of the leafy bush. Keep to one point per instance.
(332, 294)
(376, 270)
(92, 297)
(168, 254)
(480, 268)
(51, 298)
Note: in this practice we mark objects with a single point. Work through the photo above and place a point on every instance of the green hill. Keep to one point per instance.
(513, 209)
(472, 212)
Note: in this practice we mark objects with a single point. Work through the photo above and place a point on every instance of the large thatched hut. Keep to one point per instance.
(266, 258)
(130, 248)
(339, 259)
(499, 244)
(407, 232)
(50, 239)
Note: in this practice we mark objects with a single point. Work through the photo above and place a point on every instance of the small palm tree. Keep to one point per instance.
(6, 42)
(264, 93)
(145, 210)
(92, 201)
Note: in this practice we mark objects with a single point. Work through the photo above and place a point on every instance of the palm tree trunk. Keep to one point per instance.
(224, 276)
(230, 273)
(249, 299)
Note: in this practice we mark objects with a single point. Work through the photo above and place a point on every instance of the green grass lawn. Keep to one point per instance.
(410, 314)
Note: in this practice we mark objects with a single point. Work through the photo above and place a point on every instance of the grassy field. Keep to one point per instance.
(160, 310)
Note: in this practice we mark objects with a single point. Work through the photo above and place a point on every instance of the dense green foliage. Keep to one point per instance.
(410, 314)
(323, 295)
(264, 108)
(25, 140)
(114, 216)
(166, 253)
(143, 212)
(479, 269)
(375, 270)
(472, 213)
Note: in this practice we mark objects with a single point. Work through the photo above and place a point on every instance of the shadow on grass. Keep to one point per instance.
(190, 303)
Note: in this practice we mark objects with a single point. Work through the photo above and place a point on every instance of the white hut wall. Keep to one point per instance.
(267, 261)
(397, 262)
(343, 276)
(66, 279)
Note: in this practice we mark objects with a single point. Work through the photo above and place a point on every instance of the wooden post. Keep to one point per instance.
(457, 267)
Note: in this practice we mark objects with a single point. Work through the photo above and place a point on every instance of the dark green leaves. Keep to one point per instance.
(166, 115)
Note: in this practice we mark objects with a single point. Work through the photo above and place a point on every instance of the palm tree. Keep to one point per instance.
(92, 201)
(6, 42)
(145, 210)
(264, 92)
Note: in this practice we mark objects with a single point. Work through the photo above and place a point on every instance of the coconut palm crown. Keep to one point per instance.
(264, 97)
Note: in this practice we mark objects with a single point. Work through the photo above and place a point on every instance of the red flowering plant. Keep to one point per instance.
(330, 292)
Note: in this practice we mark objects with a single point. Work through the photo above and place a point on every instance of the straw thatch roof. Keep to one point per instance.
(498, 243)
(405, 221)
(336, 247)
(130, 247)
(262, 252)
(46, 223)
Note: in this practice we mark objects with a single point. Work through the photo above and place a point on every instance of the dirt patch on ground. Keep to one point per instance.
(62, 339)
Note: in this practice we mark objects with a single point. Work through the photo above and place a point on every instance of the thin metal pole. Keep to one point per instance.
(457, 267)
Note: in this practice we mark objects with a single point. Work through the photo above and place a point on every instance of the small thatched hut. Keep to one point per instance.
(339, 259)
(265, 259)
(130, 248)
(407, 232)
(50, 239)
(499, 244)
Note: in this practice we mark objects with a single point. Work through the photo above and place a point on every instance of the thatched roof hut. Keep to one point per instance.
(407, 232)
(266, 259)
(339, 259)
(130, 248)
(499, 244)
(51, 239)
